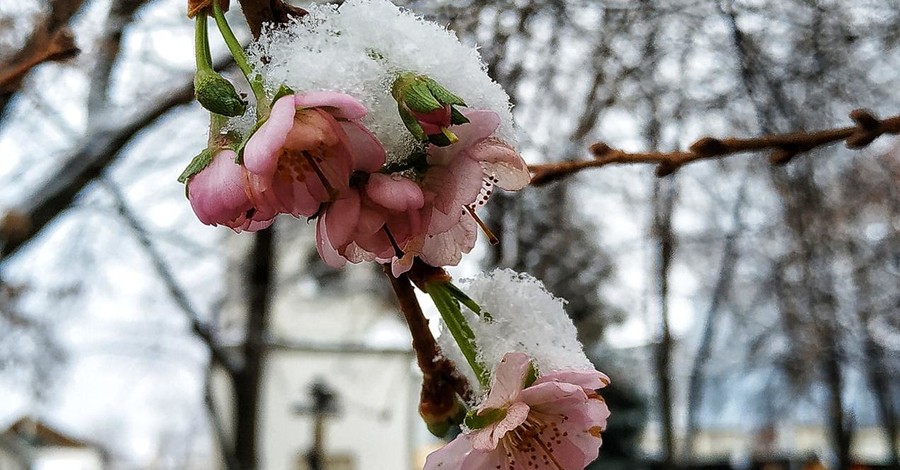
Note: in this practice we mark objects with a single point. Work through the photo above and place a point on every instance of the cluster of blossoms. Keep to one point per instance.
(392, 165)
(313, 156)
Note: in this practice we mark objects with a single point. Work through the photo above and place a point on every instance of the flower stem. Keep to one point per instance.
(451, 313)
(234, 46)
(201, 44)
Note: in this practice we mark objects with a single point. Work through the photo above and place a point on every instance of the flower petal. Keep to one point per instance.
(507, 380)
(368, 154)
(587, 379)
(502, 165)
(394, 192)
(261, 151)
(447, 248)
(339, 105)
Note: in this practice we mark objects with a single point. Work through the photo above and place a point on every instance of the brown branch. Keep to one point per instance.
(19, 225)
(441, 383)
(50, 40)
(784, 147)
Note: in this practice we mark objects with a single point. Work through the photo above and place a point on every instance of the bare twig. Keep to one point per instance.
(50, 40)
(200, 328)
(784, 147)
(440, 380)
(19, 225)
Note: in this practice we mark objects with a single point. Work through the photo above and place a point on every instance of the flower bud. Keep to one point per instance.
(427, 108)
(217, 94)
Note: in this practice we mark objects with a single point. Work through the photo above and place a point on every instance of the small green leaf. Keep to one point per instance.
(480, 419)
(442, 94)
(198, 164)
(417, 97)
(531, 376)
(457, 118)
(283, 91)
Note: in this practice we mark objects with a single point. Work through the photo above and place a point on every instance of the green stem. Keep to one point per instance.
(201, 44)
(459, 328)
(241, 59)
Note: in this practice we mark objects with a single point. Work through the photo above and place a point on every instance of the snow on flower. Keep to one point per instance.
(217, 195)
(525, 317)
(360, 48)
(553, 423)
(303, 155)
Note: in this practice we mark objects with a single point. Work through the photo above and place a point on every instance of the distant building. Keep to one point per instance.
(29, 444)
(342, 331)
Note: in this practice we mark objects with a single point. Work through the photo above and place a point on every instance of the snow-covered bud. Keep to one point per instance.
(427, 108)
(217, 94)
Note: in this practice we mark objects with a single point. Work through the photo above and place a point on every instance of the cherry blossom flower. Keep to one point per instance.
(304, 154)
(217, 195)
(554, 423)
(426, 213)
(372, 223)
(462, 176)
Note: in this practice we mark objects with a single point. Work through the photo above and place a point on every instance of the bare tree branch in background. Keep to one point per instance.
(784, 147)
(50, 40)
(87, 161)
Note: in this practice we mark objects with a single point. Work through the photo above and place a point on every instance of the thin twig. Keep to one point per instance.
(179, 295)
(784, 147)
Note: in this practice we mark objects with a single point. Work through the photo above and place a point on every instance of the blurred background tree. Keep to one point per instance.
(733, 294)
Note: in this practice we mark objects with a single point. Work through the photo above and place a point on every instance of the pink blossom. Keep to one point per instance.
(463, 175)
(372, 223)
(303, 155)
(554, 423)
(218, 198)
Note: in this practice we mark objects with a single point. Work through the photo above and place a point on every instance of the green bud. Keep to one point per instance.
(217, 94)
(417, 97)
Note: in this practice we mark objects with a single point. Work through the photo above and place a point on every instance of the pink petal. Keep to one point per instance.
(261, 151)
(216, 193)
(482, 124)
(341, 218)
(587, 379)
(555, 395)
(368, 154)
(451, 188)
(487, 439)
(326, 248)
(451, 456)
(502, 164)
(507, 380)
(339, 105)
(394, 192)
(447, 248)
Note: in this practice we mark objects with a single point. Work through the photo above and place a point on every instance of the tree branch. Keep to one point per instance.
(219, 355)
(93, 155)
(258, 12)
(50, 40)
(784, 147)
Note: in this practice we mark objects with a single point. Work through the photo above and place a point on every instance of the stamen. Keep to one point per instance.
(332, 193)
(397, 251)
(484, 228)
